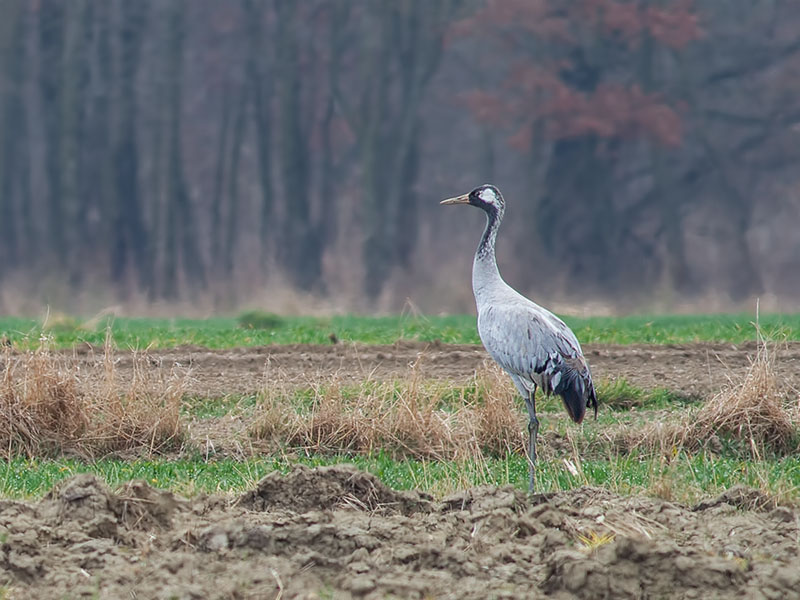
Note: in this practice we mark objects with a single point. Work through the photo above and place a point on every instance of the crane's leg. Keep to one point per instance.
(533, 431)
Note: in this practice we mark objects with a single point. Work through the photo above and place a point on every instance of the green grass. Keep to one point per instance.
(616, 397)
(680, 329)
(619, 394)
(203, 408)
(684, 478)
(689, 477)
(227, 332)
(262, 329)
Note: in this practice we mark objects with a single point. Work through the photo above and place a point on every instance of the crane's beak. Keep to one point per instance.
(462, 199)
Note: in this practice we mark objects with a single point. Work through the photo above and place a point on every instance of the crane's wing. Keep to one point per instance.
(532, 343)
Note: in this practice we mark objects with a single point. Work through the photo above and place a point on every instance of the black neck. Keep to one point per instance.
(493, 218)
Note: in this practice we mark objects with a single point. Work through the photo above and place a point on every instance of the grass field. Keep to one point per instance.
(254, 329)
(590, 455)
(687, 478)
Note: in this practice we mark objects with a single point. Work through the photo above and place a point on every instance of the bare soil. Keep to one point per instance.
(691, 369)
(336, 532)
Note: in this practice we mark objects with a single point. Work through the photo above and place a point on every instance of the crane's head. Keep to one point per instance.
(486, 197)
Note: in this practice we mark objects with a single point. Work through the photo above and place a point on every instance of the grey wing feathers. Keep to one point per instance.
(534, 345)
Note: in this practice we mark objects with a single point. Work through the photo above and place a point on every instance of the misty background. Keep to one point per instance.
(210, 155)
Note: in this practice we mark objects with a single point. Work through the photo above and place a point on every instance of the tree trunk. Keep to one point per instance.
(217, 229)
(97, 170)
(259, 80)
(407, 36)
(51, 43)
(233, 218)
(183, 222)
(130, 236)
(12, 121)
(73, 83)
(301, 250)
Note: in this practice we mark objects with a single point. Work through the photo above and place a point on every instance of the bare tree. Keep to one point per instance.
(15, 224)
(181, 222)
(259, 75)
(157, 144)
(399, 49)
(129, 241)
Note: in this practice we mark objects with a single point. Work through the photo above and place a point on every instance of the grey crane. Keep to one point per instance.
(530, 343)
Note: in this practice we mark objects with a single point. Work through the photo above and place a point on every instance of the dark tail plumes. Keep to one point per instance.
(591, 399)
(572, 387)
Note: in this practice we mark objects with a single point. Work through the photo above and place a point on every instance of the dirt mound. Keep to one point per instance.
(639, 547)
(77, 527)
(486, 498)
(741, 497)
(139, 506)
(85, 501)
(629, 568)
(89, 503)
(338, 533)
(339, 486)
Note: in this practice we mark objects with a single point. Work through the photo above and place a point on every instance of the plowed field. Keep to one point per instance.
(335, 532)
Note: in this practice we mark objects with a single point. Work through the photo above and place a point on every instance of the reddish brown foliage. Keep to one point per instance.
(539, 90)
(676, 27)
(532, 16)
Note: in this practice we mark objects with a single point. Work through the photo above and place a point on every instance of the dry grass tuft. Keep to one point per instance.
(40, 406)
(500, 422)
(48, 406)
(408, 417)
(436, 420)
(662, 439)
(751, 416)
(753, 411)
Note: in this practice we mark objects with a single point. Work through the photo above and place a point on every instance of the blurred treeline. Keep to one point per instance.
(185, 149)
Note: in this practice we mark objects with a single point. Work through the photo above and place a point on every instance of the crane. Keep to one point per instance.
(530, 343)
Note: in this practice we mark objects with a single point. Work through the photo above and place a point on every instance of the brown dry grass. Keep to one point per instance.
(48, 406)
(752, 414)
(754, 410)
(410, 417)
(407, 417)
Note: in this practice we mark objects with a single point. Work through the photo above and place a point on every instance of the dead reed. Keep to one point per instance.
(751, 415)
(51, 404)
(483, 416)
(408, 417)
(753, 410)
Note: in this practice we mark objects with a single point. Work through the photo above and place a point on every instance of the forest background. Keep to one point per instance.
(166, 154)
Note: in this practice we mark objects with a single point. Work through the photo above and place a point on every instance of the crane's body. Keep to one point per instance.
(530, 343)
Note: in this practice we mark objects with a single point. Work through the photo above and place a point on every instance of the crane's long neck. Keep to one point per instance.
(485, 275)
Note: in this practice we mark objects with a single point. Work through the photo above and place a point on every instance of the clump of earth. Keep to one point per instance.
(337, 532)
